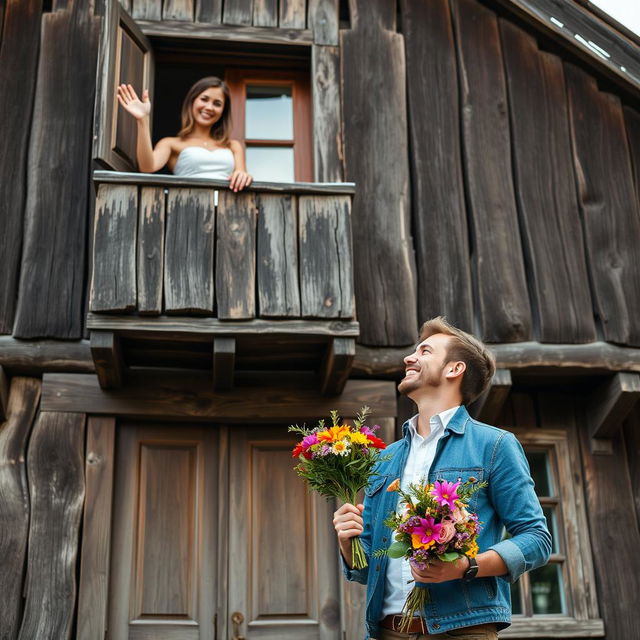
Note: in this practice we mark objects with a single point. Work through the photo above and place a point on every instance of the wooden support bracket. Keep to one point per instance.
(488, 406)
(336, 365)
(610, 404)
(107, 356)
(224, 357)
(4, 395)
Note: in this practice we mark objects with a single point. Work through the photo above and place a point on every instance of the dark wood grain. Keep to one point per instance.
(14, 499)
(236, 256)
(238, 12)
(18, 63)
(327, 120)
(502, 298)
(209, 11)
(55, 460)
(21, 357)
(190, 397)
(323, 18)
(107, 356)
(113, 285)
(51, 293)
(608, 205)
(550, 223)
(488, 406)
(437, 184)
(150, 250)
(277, 256)
(336, 365)
(632, 446)
(189, 247)
(609, 404)
(265, 13)
(224, 357)
(375, 140)
(4, 394)
(632, 124)
(96, 529)
(293, 14)
(325, 257)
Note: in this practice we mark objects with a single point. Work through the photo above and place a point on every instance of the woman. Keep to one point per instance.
(202, 148)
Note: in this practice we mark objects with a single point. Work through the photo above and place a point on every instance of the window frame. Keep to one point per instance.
(574, 547)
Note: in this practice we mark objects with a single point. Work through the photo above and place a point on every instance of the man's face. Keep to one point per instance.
(424, 368)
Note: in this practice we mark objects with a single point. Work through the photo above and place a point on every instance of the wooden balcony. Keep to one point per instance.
(187, 277)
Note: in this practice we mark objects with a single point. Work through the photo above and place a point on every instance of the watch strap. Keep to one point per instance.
(472, 570)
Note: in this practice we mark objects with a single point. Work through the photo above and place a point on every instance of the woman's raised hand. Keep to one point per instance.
(129, 100)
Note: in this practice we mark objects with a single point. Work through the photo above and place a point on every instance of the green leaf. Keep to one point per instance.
(452, 556)
(398, 550)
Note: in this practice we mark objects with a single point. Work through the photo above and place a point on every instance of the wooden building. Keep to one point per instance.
(478, 159)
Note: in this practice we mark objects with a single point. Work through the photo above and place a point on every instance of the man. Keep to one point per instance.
(470, 598)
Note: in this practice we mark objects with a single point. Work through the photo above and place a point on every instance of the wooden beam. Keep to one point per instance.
(611, 403)
(224, 357)
(595, 357)
(336, 365)
(105, 349)
(190, 397)
(488, 406)
(4, 395)
(32, 357)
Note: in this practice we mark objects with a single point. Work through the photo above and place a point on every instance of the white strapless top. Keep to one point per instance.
(198, 162)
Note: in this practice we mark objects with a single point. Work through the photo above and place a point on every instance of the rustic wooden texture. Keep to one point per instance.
(326, 277)
(632, 446)
(4, 394)
(336, 365)
(610, 403)
(55, 460)
(96, 529)
(18, 61)
(20, 357)
(549, 216)
(150, 250)
(146, 9)
(596, 357)
(632, 124)
(443, 267)
(209, 11)
(239, 12)
(178, 10)
(107, 355)
(190, 397)
(265, 13)
(277, 256)
(168, 181)
(327, 120)
(224, 357)
(323, 18)
(608, 205)
(14, 499)
(113, 284)
(353, 600)
(503, 300)
(375, 139)
(51, 294)
(489, 405)
(236, 256)
(617, 575)
(293, 14)
(189, 246)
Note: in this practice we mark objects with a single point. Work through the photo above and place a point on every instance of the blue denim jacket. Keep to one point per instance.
(467, 448)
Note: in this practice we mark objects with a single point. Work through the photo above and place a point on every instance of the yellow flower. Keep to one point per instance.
(340, 447)
(472, 551)
(333, 434)
(358, 438)
(416, 542)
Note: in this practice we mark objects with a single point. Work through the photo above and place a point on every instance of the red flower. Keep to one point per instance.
(300, 450)
(376, 442)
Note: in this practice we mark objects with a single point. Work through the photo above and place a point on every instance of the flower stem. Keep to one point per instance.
(416, 600)
(358, 556)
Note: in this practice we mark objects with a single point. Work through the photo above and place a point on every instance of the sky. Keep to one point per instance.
(627, 12)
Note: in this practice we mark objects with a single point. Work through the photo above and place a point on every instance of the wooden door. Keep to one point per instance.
(283, 566)
(163, 555)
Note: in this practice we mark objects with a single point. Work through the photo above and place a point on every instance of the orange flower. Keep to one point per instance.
(333, 434)
(416, 542)
(395, 485)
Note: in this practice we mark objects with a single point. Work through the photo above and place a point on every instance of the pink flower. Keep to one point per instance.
(460, 514)
(446, 493)
(447, 532)
(426, 533)
(309, 441)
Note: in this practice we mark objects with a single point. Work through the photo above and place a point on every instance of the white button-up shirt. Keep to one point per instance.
(421, 454)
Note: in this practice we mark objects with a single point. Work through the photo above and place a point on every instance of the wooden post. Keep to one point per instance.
(337, 365)
(105, 349)
(224, 356)
(611, 403)
(488, 406)
(4, 395)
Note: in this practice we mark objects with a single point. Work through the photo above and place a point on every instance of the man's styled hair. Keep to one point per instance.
(481, 365)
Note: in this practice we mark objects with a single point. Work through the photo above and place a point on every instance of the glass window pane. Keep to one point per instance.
(516, 598)
(552, 524)
(547, 590)
(269, 113)
(270, 164)
(539, 463)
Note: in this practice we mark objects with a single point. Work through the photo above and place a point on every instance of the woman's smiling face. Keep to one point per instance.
(208, 106)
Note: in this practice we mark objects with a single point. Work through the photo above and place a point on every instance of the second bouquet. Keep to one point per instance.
(337, 461)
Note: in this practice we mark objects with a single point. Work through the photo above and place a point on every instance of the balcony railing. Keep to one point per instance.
(177, 259)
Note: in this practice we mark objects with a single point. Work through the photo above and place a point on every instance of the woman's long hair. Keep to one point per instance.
(221, 130)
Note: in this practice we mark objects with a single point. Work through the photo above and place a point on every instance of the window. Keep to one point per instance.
(272, 116)
(553, 601)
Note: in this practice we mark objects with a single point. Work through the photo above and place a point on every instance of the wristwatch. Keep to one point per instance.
(471, 571)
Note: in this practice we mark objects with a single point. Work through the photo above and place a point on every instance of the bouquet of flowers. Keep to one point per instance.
(337, 461)
(434, 523)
